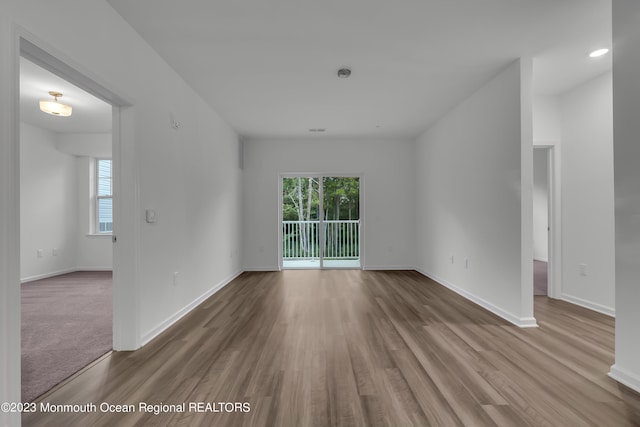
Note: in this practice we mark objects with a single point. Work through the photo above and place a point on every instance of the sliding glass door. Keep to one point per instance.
(341, 222)
(320, 222)
(301, 222)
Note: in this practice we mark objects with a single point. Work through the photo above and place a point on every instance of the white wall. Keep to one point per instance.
(587, 195)
(389, 188)
(95, 252)
(56, 201)
(189, 176)
(85, 144)
(47, 205)
(540, 205)
(626, 104)
(469, 198)
(547, 126)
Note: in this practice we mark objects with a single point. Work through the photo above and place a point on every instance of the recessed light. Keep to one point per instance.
(317, 130)
(599, 52)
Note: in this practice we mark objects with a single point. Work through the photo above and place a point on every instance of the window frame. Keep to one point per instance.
(98, 197)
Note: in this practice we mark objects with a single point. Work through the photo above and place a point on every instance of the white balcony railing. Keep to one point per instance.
(300, 239)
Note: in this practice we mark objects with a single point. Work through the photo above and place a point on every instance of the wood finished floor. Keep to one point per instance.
(361, 348)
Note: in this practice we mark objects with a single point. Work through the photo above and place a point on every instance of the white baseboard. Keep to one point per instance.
(65, 271)
(94, 268)
(541, 259)
(625, 377)
(588, 304)
(261, 269)
(181, 313)
(47, 275)
(389, 267)
(522, 322)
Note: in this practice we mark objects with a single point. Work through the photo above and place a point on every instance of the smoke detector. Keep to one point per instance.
(344, 73)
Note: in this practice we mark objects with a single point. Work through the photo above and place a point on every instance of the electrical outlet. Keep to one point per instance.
(54, 252)
(40, 253)
(176, 278)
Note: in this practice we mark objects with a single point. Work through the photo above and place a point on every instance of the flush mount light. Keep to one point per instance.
(344, 73)
(54, 107)
(599, 52)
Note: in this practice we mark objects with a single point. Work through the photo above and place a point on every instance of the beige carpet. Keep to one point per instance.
(66, 324)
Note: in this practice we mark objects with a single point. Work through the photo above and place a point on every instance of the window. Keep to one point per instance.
(104, 196)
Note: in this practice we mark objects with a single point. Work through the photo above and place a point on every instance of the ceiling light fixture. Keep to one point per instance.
(344, 73)
(54, 107)
(599, 52)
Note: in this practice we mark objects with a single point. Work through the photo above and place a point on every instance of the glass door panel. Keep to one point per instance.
(341, 222)
(301, 223)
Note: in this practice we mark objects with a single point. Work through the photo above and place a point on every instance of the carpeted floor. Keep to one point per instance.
(66, 324)
(539, 278)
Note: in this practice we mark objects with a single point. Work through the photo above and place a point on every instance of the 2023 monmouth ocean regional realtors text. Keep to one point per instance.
(152, 408)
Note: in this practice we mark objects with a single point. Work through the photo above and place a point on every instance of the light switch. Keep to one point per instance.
(151, 216)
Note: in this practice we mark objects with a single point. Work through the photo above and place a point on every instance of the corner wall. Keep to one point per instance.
(626, 134)
(95, 252)
(469, 198)
(588, 254)
(48, 199)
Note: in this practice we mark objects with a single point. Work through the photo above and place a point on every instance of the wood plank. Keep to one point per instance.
(360, 348)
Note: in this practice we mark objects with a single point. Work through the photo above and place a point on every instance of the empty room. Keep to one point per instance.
(329, 213)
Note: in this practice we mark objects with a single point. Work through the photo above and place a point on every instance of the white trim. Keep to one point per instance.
(61, 272)
(609, 311)
(389, 267)
(522, 322)
(262, 269)
(101, 235)
(147, 337)
(541, 259)
(10, 361)
(47, 275)
(625, 377)
(94, 268)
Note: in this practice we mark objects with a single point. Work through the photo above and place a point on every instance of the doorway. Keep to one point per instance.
(540, 222)
(320, 221)
(546, 221)
(65, 241)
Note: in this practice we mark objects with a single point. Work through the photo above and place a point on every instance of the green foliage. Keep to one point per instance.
(301, 202)
(341, 198)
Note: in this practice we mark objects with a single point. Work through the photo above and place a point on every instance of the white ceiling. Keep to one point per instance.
(90, 114)
(269, 66)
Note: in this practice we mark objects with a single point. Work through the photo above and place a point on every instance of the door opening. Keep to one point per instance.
(320, 222)
(66, 193)
(546, 226)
